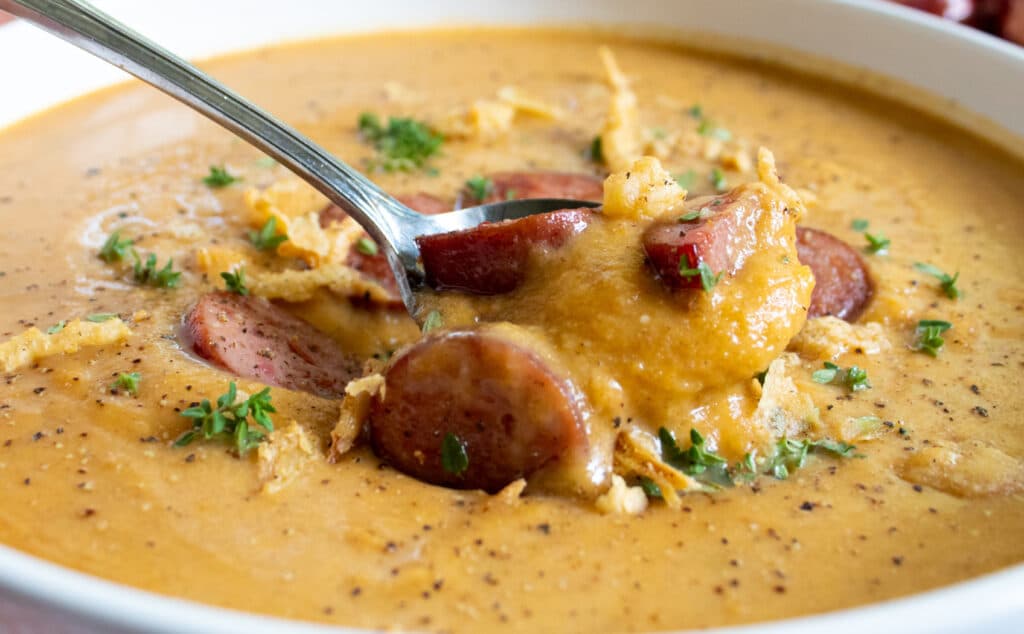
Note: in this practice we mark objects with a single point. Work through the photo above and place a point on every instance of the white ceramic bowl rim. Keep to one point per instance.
(975, 70)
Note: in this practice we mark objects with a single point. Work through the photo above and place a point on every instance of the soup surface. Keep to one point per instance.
(93, 479)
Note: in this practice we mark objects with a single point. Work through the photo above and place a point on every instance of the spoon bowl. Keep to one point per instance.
(391, 224)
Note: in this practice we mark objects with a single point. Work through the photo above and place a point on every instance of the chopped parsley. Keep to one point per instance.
(147, 273)
(433, 321)
(746, 470)
(267, 237)
(219, 177)
(479, 188)
(367, 246)
(127, 382)
(713, 470)
(792, 454)
(946, 282)
(98, 318)
(596, 151)
(454, 458)
(650, 487)
(709, 129)
(929, 336)
(114, 249)
(57, 327)
(855, 377)
(706, 466)
(696, 111)
(877, 244)
(403, 145)
(718, 181)
(230, 419)
(708, 279)
(859, 224)
(235, 282)
(686, 179)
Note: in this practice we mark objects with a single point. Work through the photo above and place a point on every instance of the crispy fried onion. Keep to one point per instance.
(635, 457)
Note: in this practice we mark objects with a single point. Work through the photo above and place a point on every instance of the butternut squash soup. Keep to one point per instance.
(761, 368)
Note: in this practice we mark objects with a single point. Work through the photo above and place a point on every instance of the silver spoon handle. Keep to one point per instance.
(91, 30)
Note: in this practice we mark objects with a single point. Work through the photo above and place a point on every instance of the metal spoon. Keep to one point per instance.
(390, 223)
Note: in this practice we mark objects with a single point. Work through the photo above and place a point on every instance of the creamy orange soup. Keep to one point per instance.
(925, 490)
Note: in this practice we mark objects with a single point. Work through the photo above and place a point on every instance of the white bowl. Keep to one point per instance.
(980, 78)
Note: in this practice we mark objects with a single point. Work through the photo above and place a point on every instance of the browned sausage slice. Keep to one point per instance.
(520, 185)
(718, 232)
(492, 258)
(250, 337)
(842, 284)
(375, 265)
(501, 402)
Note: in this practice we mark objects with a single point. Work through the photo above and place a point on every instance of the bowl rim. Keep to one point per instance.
(117, 607)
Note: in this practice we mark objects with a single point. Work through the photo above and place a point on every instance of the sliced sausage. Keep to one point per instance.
(499, 400)
(520, 185)
(250, 337)
(1013, 22)
(492, 258)
(720, 236)
(375, 266)
(842, 284)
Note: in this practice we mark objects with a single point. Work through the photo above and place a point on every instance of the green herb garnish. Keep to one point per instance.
(367, 246)
(479, 188)
(877, 244)
(650, 487)
(219, 177)
(267, 237)
(707, 128)
(57, 327)
(114, 249)
(704, 465)
(855, 377)
(792, 454)
(696, 111)
(718, 180)
(946, 282)
(147, 273)
(859, 224)
(230, 419)
(708, 279)
(929, 336)
(596, 152)
(97, 318)
(432, 321)
(235, 282)
(403, 145)
(746, 469)
(128, 382)
(454, 458)
(686, 179)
